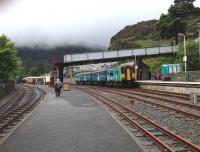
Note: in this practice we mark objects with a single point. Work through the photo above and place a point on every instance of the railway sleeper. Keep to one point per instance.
(138, 134)
(171, 142)
(158, 133)
(148, 143)
(180, 149)
(142, 122)
(151, 129)
(2, 135)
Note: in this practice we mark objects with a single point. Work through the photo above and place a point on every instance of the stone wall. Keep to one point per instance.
(184, 90)
(193, 76)
(6, 88)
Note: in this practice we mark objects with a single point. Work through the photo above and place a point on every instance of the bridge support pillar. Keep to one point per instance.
(60, 72)
(139, 69)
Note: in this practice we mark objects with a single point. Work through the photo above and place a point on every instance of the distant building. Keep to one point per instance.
(38, 80)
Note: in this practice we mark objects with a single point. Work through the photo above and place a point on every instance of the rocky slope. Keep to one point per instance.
(145, 34)
(136, 36)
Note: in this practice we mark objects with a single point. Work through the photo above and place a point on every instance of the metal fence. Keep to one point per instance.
(6, 88)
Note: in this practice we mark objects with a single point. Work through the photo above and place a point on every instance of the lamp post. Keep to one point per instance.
(185, 57)
(198, 25)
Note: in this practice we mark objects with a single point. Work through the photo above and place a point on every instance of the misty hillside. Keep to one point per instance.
(32, 58)
(46, 55)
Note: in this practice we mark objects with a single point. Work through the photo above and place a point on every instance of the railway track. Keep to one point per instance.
(178, 96)
(14, 112)
(131, 95)
(168, 101)
(157, 135)
(15, 101)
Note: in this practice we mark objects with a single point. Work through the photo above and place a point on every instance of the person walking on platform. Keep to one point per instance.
(58, 87)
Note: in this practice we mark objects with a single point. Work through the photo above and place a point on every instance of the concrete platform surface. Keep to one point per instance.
(72, 123)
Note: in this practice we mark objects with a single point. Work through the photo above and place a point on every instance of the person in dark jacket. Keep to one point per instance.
(58, 87)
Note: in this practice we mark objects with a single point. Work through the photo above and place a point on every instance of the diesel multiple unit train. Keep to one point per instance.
(120, 75)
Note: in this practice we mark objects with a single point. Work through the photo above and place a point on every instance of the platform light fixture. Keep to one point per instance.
(185, 57)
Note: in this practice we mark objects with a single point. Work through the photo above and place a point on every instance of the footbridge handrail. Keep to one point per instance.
(119, 53)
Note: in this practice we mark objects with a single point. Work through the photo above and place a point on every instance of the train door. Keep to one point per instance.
(123, 73)
(128, 73)
(133, 73)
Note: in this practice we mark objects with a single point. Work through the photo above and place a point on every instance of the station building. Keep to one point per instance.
(38, 80)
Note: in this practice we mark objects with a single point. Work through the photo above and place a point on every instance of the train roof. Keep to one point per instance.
(102, 70)
(127, 64)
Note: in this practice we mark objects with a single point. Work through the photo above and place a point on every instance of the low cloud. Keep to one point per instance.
(73, 22)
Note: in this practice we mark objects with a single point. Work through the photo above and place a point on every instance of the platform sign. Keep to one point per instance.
(184, 58)
(66, 87)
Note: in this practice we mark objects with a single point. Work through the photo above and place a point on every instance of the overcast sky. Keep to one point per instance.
(66, 22)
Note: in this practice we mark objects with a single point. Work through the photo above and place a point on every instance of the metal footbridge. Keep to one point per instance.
(109, 56)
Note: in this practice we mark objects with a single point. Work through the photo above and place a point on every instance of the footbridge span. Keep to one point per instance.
(112, 56)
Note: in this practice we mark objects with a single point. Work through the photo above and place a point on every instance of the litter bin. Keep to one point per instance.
(193, 96)
(66, 87)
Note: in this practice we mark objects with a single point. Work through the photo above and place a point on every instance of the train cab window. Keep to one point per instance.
(111, 73)
(123, 70)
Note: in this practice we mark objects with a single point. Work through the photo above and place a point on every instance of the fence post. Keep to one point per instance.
(186, 76)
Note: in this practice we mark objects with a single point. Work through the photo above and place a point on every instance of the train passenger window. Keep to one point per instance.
(102, 73)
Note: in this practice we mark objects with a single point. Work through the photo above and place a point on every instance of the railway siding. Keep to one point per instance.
(15, 109)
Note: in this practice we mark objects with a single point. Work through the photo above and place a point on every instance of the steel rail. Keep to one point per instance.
(19, 94)
(18, 107)
(156, 104)
(8, 102)
(161, 144)
(24, 108)
(16, 112)
(164, 99)
(10, 105)
(177, 95)
(158, 98)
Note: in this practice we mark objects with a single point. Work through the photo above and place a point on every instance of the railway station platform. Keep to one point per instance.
(72, 123)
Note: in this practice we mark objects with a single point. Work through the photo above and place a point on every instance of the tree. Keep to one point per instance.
(9, 62)
(182, 8)
(41, 68)
(155, 64)
(192, 55)
(174, 22)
